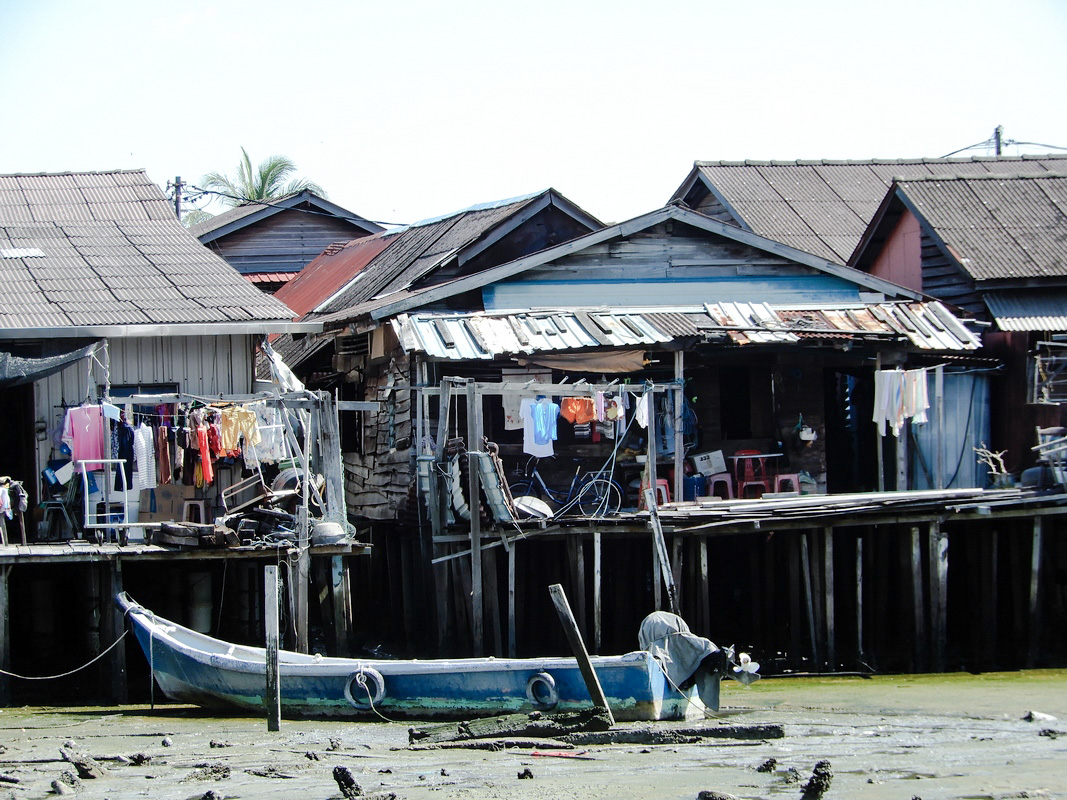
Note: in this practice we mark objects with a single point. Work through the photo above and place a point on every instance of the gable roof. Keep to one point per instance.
(386, 306)
(823, 207)
(250, 213)
(397, 260)
(101, 253)
(1003, 232)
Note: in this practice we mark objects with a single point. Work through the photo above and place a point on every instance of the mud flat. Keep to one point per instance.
(971, 737)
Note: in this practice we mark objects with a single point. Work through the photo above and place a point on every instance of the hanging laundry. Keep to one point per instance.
(144, 456)
(512, 402)
(163, 454)
(205, 455)
(236, 422)
(535, 413)
(641, 409)
(578, 410)
(898, 397)
(123, 448)
(271, 447)
(83, 434)
(598, 406)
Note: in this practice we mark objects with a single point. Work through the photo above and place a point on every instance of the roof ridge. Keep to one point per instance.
(66, 173)
(477, 207)
(881, 161)
(988, 176)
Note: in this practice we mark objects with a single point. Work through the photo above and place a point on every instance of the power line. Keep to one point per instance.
(998, 142)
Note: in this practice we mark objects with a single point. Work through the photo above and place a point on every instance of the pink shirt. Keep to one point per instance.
(83, 433)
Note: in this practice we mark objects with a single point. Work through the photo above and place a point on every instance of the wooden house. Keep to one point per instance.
(992, 245)
(271, 242)
(744, 343)
(108, 297)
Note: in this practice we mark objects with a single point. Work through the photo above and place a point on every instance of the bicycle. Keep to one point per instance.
(595, 494)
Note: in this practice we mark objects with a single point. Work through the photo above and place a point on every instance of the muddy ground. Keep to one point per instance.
(902, 737)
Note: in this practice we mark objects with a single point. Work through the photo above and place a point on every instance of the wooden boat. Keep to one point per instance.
(191, 667)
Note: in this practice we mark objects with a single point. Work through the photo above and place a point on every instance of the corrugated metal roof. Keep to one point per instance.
(1029, 311)
(105, 235)
(823, 207)
(481, 335)
(998, 227)
(337, 266)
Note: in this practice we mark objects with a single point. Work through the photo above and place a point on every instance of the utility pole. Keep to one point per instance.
(178, 195)
(997, 139)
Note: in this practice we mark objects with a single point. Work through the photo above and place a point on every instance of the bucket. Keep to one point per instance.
(692, 485)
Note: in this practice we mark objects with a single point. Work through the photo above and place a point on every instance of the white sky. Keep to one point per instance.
(408, 110)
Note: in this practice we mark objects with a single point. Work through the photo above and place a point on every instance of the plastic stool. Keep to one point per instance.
(720, 479)
(790, 479)
(197, 508)
(663, 492)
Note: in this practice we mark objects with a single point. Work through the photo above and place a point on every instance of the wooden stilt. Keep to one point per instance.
(598, 632)
(512, 555)
(474, 494)
(576, 567)
(1033, 649)
(828, 594)
(809, 600)
(113, 624)
(919, 648)
(271, 597)
(442, 589)
(5, 636)
(796, 596)
(816, 604)
(657, 584)
(342, 605)
(661, 556)
(992, 604)
(492, 600)
(861, 656)
(704, 616)
(938, 594)
(676, 571)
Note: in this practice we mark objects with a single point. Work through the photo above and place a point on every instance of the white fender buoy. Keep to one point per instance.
(541, 691)
(365, 688)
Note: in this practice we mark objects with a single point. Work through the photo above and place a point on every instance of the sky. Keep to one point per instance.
(404, 110)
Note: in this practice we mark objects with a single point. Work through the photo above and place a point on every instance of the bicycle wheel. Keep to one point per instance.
(522, 488)
(599, 497)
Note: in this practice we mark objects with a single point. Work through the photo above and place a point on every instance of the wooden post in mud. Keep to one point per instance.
(574, 636)
(511, 599)
(809, 599)
(860, 655)
(828, 594)
(271, 598)
(113, 625)
(474, 493)
(5, 637)
(938, 549)
(918, 611)
(1034, 628)
(597, 590)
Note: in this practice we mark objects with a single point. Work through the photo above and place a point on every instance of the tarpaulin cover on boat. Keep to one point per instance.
(683, 655)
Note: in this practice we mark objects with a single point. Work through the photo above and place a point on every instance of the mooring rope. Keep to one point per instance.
(65, 674)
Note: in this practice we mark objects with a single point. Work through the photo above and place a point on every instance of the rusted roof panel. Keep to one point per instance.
(482, 335)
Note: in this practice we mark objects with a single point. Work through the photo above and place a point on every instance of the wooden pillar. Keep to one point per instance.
(991, 605)
(676, 571)
(574, 636)
(113, 624)
(474, 493)
(861, 656)
(1033, 650)
(816, 603)
(657, 583)
(918, 604)
(5, 636)
(878, 438)
(937, 544)
(809, 599)
(272, 698)
(704, 617)
(796, 597)
(828, 596)
(939, 402)
(341, 605)
(492, 600)
(512, 555)
(576, 557)
(443, 589)
(598, 631)
(679, 445)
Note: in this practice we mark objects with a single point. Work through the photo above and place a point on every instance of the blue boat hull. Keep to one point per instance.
(191, 667)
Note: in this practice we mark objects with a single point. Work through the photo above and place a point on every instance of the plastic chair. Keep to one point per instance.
(721, 479)
(790, 479)
(751, 472)
(663, 494)
(64, 501)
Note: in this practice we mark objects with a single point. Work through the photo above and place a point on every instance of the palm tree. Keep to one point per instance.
(265, 183)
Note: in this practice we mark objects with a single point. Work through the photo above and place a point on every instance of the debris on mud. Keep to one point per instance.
(536, 724)
(708, 794)
(819, 783)
(647, 735)
(768, 766)
(526, 774)
(346, 783)
(1037, 716)
(87, 766)
(207, 772)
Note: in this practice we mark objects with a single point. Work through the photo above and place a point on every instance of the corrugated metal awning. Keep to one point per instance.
(485, 335)
(1025, 311)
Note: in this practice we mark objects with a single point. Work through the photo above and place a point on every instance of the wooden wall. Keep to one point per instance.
(285, 242)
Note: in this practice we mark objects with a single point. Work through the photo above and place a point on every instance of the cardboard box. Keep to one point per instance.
(710, 463)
